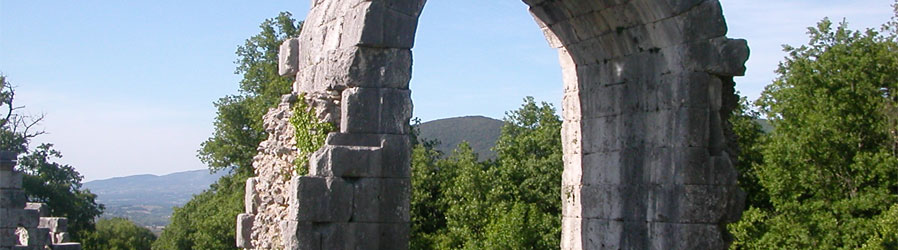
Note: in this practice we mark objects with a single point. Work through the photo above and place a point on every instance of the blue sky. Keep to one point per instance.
(127, 87)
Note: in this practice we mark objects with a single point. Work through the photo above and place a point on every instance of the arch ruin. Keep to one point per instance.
(648, 155)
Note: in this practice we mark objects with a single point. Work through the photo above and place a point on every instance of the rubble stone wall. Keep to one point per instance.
(647, 91)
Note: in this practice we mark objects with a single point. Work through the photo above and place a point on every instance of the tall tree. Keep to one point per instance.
(830, 166)
(208, 220)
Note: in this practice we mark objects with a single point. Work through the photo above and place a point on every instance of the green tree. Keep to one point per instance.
(829, 168)
(208, 220)
(46, 181)
(118, 234)
(511, 203)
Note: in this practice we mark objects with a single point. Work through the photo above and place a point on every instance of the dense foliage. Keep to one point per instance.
(512, 202)
(118, 234)
(828, 173)
(57, 185)
(208, 220)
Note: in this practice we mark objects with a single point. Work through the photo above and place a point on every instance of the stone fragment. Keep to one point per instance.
(60, 237)
(244, 230)
(251, 199)
(288, 57)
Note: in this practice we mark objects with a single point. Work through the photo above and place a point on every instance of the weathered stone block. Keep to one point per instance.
(395, 150)
(375, 111)
(614, 202)
(396, 111)
(288, 57)
(320, 199)
(360, 111)
(375, 24)
(10, 179)
(38, 236)
(685, 236)
(251, 199)
(690, 166)
(54, 224)
(42, 209)
(615, 234)
(352, 235)
(12, 198)
(381, 200)
(19, 218)
(346, 161)
(244, 230)
(379, 68)
(707, 204)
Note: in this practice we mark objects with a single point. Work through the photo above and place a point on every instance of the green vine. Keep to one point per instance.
(310, 133)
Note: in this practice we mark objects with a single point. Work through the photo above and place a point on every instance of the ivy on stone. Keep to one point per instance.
(310, 133)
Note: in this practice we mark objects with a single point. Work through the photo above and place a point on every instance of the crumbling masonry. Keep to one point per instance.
(648, 87)
(25, 225)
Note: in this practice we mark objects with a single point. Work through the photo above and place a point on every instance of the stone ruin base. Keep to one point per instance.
(25, 225)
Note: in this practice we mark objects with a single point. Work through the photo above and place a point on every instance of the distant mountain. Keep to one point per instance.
(480, 132)
(148, 199)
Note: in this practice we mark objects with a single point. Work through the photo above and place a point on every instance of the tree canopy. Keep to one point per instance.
(829, 169)
(118, 234)
(512, 202)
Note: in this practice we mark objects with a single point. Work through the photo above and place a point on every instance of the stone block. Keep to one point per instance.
(690, 166)
(360, 111)
(251, 199)
(686, 236)
(571, 232)
(244, 230)
(12, 198)
(379, 68)
(693, 204)
(615, 234)
(375, 111)
(55, 224)
(288, 57)
(352, 235)
(396, 111)
(66, 246)
(395, 150)
(614, 202)
(10, 179)
(19, 218)
(320, 199)
(42, 209)
(38, 236)
(346, 161)
(377, 24)
(381, 200)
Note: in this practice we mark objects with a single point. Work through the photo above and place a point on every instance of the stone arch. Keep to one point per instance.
(647, 90)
